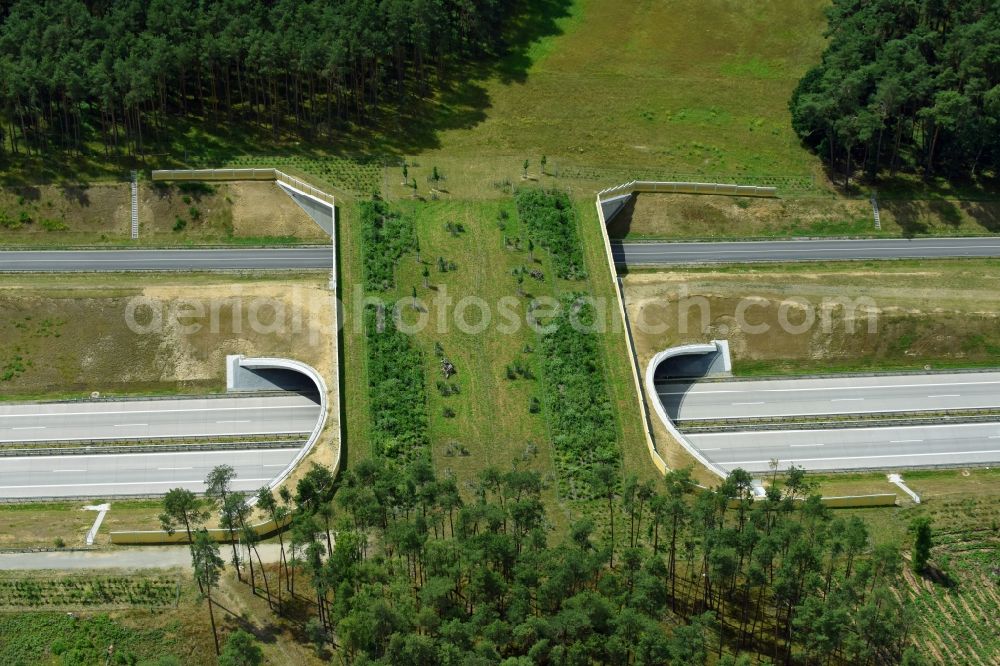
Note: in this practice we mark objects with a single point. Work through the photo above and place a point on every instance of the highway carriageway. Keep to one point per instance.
(157, 419)
(655, 253)
(950, 445)
(205, 259)
(739, 399)
(135, 473)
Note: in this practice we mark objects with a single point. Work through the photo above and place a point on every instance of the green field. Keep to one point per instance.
(604, 90)
(492, 422)
(684, 87)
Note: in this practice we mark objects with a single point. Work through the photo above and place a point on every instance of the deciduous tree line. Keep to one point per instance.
(72, 70)
(912, 85)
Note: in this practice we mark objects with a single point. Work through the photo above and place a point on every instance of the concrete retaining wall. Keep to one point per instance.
(859, 501)
(620, 297)
(242, 174)
(214, 174)
(288, 364)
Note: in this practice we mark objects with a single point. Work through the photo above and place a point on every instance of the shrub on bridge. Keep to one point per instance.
(576, 396)
(551, 222)
(386, 236)
(396, 394)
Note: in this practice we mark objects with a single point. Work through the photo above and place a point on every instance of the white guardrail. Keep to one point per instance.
(242, 174)
(671, 187)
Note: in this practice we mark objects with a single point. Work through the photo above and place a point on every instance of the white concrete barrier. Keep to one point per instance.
(268, 363)
(716, 346)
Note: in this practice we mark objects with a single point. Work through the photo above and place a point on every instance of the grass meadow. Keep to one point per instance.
(492, 422)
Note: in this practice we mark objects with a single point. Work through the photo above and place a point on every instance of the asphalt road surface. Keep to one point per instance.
(632, 254)
(147, 557)
(135, 474)
(52, 261)
(686, 401)
(854, 448)
(156, 419)
(656, 253)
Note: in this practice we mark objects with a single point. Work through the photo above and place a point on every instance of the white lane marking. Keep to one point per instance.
(946, 395)
(845, 399)
(131, 425)
(171, 469)
(695, 391)
(183, 434)
(718, 449)
(158, 453)
(804, 445)
(116, 483)
(890, 455)
(246, 421)
(61, 471)
(879, 428)
(880, 409)
(748, 403)
(51, 414)
(994, 437)
(273, 465)
(29, 428)
(904, 441)
(636, 249)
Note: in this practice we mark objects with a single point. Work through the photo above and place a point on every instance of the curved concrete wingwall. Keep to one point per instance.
(625, 191)
(139, 537)
(710, 348)
(311, 373)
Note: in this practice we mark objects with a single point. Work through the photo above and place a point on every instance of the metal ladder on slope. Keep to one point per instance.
(878, 220)
(135, 205)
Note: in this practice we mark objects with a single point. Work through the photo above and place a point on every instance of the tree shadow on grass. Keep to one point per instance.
(907, 216)
(985, 213)
(404, 124)
(918, 217)
(939, 577)
(76, 191)
(537, 20)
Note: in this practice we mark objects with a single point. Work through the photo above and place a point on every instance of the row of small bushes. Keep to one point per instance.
(396, 395)
(551, 222)
(24, 219)
(386, 236)
(581, 417)
(89, 590)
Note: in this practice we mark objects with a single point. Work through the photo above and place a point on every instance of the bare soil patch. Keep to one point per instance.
(169, 214)
(823, 318)
(92, 338)
(707, 216)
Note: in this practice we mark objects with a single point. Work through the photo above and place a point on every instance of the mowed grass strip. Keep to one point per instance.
(688, 86)
(491, 422)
